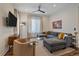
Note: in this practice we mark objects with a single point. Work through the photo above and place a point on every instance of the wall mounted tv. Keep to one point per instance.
(11, 20)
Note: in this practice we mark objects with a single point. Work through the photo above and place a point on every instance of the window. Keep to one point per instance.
(35, 24)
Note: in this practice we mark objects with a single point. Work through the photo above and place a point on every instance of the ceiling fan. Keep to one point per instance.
(39, 9)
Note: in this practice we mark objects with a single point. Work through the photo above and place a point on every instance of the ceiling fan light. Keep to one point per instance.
(54, 5)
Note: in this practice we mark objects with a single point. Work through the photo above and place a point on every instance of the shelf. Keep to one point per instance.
(74, 43)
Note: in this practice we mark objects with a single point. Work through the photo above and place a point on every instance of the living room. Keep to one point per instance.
(36, 18)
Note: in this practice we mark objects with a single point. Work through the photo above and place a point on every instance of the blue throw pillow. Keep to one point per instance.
(50, 36)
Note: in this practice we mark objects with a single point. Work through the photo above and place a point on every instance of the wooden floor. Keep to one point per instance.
(10, 52)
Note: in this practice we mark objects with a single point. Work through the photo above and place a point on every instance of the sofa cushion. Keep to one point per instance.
(54, 41)
(54, 33)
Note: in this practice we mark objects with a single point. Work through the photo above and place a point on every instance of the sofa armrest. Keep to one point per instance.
(68, 40)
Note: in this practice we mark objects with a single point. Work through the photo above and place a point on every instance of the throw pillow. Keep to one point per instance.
(61, 36)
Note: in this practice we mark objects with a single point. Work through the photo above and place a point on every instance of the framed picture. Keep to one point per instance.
(57, 24)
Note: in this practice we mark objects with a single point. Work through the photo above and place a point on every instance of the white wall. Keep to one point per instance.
(4, 31)
(69, 17)
(77, 23)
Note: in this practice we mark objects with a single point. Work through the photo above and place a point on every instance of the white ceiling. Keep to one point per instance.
(49, 8)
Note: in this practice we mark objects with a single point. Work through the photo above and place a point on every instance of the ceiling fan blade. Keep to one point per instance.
(41, 11)
(39, 7)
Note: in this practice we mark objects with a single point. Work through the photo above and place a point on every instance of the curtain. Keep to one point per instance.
(22, 24)
(18, 19)
(44, 23)
(29, 27)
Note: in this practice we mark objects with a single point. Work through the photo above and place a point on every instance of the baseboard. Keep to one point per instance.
(4, 51)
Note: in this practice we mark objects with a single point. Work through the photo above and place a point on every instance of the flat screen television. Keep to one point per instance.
(11, 20)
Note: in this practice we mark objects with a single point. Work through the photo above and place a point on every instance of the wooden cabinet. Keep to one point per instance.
(11, 39)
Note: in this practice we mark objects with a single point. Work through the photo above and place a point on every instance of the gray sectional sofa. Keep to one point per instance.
(52, 43)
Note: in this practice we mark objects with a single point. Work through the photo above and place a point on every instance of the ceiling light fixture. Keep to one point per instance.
(54, 5)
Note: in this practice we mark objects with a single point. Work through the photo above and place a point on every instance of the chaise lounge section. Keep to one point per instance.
(53, 44)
